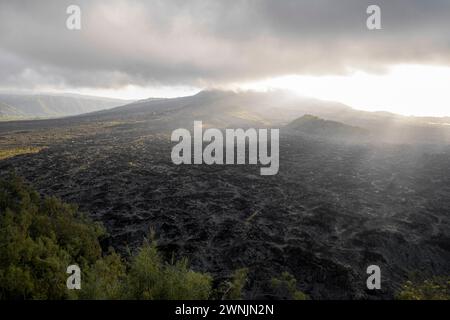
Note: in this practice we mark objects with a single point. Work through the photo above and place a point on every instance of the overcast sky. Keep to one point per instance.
(181, 45)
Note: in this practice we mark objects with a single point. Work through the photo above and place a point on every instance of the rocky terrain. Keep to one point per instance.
(333, 209)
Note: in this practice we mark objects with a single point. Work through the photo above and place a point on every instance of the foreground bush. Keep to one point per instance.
(438, 288)
(150, 278)
(285, 287)
(233, 289)
(40, 237)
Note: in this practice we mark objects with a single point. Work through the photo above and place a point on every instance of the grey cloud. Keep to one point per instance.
(210, 42)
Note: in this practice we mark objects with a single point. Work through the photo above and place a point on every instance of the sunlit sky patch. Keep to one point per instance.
(406, 89)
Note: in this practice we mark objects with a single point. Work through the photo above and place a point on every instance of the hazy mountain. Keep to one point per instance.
(315, 126)
(256, 109)
(27, 106)
(276, 109)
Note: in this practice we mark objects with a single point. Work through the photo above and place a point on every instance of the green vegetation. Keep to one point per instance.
(437, 288)
(102, 280)
(40, 237)
(145, 277)
(286, 286)
(8, 153)
(150, 278)
(232, 290)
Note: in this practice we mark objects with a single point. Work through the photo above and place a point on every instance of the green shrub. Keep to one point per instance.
(437, 288)
(40, 238)
(103, 280)
(150, 278)
(286, 287)
(232, 290)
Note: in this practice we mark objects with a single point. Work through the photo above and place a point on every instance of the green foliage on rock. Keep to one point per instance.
(41, 237)
(285, 287)
(103, 280)
(437, 288)
(233, 289)
(150, 278)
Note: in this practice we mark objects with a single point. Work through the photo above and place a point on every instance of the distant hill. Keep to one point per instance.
(312, 125)
(30, 106)
(276, 109)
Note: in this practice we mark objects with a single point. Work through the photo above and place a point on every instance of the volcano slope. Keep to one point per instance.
(334, 208)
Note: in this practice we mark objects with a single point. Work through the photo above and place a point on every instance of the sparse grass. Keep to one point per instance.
(12, 152)
(253, 215)
(4, 118)
(437, 288)
(248, 116)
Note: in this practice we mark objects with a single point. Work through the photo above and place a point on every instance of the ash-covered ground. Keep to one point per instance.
(333, 209)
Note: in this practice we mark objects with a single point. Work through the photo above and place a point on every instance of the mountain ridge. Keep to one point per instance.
(17, 106)
(247, 109)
